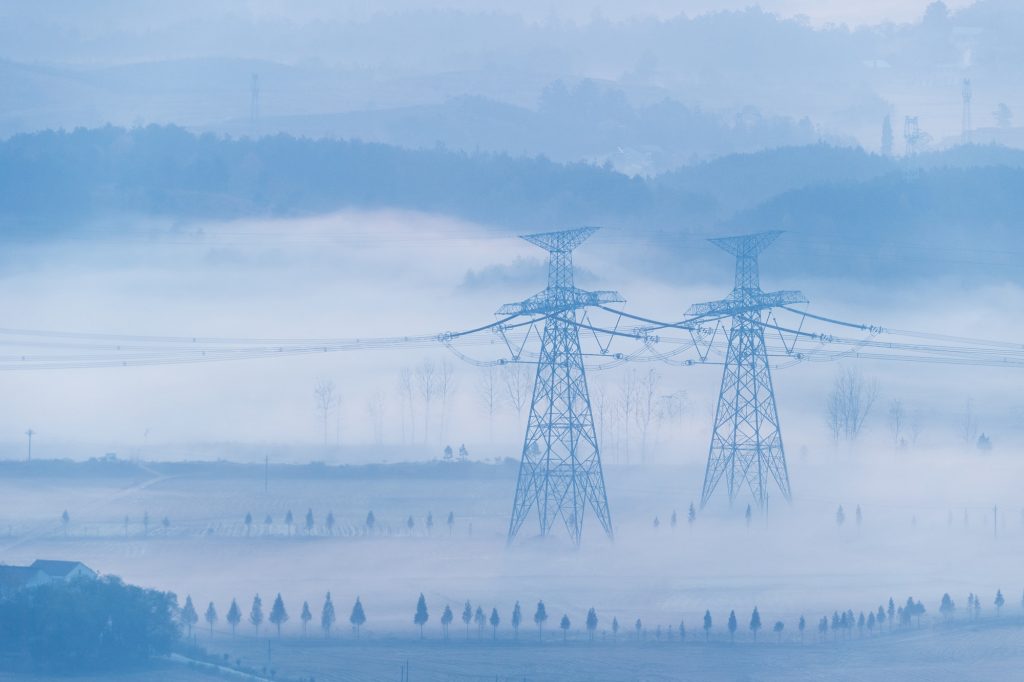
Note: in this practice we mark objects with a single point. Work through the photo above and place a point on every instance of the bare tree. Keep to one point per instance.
(969, 423)
(426, 384)
(671, 408)
(516, 377)
(849, 404)
(646, 406)
(628, 391)
(408, 407)
(897, 419)
(487, 391)
(600, 403)
(445, 390)
(325, 400)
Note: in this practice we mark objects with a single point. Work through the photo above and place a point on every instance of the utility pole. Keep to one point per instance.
(30, 433)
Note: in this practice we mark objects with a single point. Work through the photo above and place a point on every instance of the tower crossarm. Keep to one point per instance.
(549, 302)
(747, 303)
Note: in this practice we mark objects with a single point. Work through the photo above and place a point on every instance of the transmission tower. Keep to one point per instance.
(746, 442)
(560, 473)
(965, 124)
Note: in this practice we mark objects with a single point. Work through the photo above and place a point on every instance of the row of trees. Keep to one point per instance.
(277, 617)
(330, 522)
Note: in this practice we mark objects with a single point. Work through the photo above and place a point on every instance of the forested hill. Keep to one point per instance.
(55, 182)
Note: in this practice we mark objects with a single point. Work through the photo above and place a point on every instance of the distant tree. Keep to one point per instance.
(495, 621)
(166, 523)
(871, 623)
(481, 620)
(327, 616)
(837, 624)
(189, 617)
(859, 516)
(946, 607)
(656, 523)
(467, 616)
(268, 521)
(306, 616)
(860, 624)
(639, 627)
(256, 613)
(451, 522)
(289, 520)
(248, 523)
(823, 627)
(448, 453)
(891, 611)
(977, 606)
(517, 618)
(707, 625)
(65, 520)
(691, 515)
(732, 626)
(309, 522)
(840, 516)
(591, 622)
(211, 617)
(682, 630)
(324, 400)
(999, 601)
(673, 520)
(410, 523)
(564, 624)
(370, 520)
(881, 617)
(421, 617)
(749, 514)
(234, 616)
(801, 626)
(849, 403)
(278, 614)
(777, 629)
(615, 627)
(358, 617)
(430, 522)
(755, 622)
(539, 617)
(446, 619)
(970, 605)
(330, 523)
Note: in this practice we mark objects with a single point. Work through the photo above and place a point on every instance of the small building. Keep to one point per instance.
(65, 571)
(41, 572)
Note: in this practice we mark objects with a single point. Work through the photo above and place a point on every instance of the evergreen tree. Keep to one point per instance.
(517, 618)
(256, 613)
(823, 627)
(539, 617)
(891, 612)
(755, 622)
(446, 619)
(451, 522)
(278, 614)
(309, 522)
(977, 606)
(327, 616)
(639, 627)
(467, 616)
(268, 521)
(732, 626)
(673, 520)
(421, 617)
(330, 523)
(306, 616)
(248, 523)
(777, 629)
(211, 617)
(289, 520)
(591, 622)
(410, 523)
(749, 514)
(166, 523)
(881, 617)
(495, 621)
(371, 521)
(859, 516)
(999, 601)
(946, 607)
(860, 624)
(840, 516)
(871, 622)
(707, 625)
(682, 631)
(801, 626)
(691, 515)
(481, 620)
(615, 627)
(656, 523)
(430, 522)
(189, 617)
(234, 616)
(358, 616)
(564, 624)
(65, 520)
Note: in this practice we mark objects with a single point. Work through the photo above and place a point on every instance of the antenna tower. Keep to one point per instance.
(746, 442)
(560, 472)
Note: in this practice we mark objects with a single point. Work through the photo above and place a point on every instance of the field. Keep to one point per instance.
(918, 541)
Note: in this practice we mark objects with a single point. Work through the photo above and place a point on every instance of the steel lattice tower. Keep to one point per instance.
(560, 473)
(746, 442)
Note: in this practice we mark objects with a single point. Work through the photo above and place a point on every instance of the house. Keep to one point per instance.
(41, 572)
(63, 570)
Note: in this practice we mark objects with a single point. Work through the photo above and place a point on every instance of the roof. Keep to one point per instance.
(16, 577)
(58, 569)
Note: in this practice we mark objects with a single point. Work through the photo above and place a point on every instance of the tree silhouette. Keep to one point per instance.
(309, 522)
(615, 627)
(891, 612)
(65, 520)
(327, 616)
(801, 626)
(946, 607)
(495, 620)
(451, 522)
(749, 514)
(823, 627)
(278, 614)
(256, 613)
(234, 616)
(682, 631)
(732, 626)
(840, 516)
(656, 523)
(446, 619)
(330, 523)
(358, 616)
(467, 616)
(859, 516)
(591, 622)
(189, 617)
(638, 626)
(211, 616)
(707, 625)
(166, 523)
(370, 520)
(871, 623)
(755, 622)
(539, 617)
(691, 515)
(421, 616)
(306, 616)
(860, 624)
(564, 624)
(289, 520)
(517, 618)
(881, 617)
(481, 620)
(410, 523)
(430, 522)
(248, 523)
(999, 601)
(673, 520)
(777, 629)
